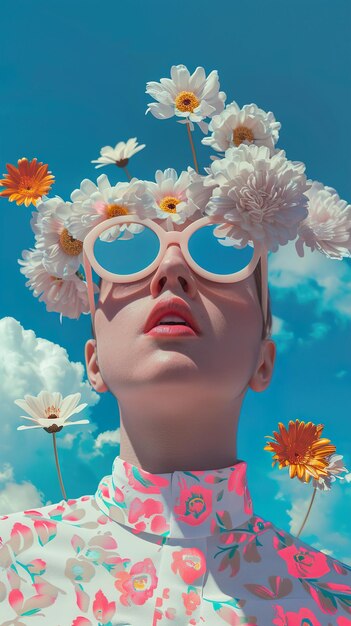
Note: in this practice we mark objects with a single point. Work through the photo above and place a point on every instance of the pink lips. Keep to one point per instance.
(172, 306)
(171, 331)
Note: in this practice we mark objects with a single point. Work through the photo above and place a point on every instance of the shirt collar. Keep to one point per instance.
(196, 503)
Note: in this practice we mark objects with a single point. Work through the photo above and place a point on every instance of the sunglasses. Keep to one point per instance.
(126, 248)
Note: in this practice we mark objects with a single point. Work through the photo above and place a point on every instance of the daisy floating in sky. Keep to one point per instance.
(51, 411)
(234, 126)
(177, 199)
(307, 454)
(63, 254)
(94, 203)
(119, 155)
(26, 183)
(191, 97)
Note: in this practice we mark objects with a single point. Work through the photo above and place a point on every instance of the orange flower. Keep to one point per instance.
(27, 183)
(301, 448)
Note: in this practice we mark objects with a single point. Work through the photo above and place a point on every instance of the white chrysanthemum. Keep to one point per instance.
(68, 296)
(120, 154)
(177, 199)
(50, 411)
(234, 126)
(334, 468)
(192, 97)
(260, 196)
(93, 204)
(327, 227)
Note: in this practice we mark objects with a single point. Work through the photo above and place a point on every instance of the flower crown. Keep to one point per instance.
(251, 185)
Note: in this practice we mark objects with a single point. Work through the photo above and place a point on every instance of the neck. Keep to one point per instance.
(196, 434)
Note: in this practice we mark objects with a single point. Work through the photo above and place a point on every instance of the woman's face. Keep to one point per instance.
(223, 357)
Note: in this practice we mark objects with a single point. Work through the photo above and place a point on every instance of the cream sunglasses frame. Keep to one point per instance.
(167, 238)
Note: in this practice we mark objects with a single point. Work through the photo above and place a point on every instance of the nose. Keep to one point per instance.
(173, 271)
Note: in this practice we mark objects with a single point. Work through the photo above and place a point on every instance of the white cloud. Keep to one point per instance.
(324, 517)
(313, 277)
(19, 497)
(7, 473)
(29, 364)
(281, 333)
(108, 437)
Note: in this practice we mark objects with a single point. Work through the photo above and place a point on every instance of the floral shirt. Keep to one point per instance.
(181, 549)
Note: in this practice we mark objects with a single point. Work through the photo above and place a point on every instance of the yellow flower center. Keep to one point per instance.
(242, 133)
(186, 101)
(28, 187)
(169, 203)
(113, 210)
(69, 245)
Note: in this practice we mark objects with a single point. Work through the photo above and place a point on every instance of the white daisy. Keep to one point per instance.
(62, 253)
(93, 204)
(120, 154)
(67, 296)
(327, 227)
(50, 411)
(192, 98)
(335, 467)
(44, 208)
(234, 126)
(259, 196)
(178, 199)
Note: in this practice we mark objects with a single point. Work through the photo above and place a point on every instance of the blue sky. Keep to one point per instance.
(73, 80)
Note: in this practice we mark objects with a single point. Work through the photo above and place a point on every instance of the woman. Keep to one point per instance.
(170, 535)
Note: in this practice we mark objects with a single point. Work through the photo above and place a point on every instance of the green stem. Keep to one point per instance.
(58, 467)
(192, 147)
(307, 514)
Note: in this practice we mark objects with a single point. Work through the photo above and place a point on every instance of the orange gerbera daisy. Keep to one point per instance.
(301, 448)
(27, 183)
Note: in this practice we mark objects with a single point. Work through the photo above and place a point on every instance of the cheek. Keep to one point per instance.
(236, 338)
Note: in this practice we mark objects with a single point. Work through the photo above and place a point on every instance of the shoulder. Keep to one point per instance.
(20, 530)
(300, 566)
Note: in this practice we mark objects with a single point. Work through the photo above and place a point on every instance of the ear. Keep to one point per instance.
(263, 374)
(92, 366)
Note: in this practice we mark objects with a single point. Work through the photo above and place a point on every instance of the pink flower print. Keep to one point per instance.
(189, 563)
(78, 570)
(343, 621)
(139, 584)
(260, 525)
(21, 538)
(106, 541)
(232, 618)
(82, 598)
(304, 616)
(191, 601)
(237, 482)
(45, 530)
(81, 621)
(304, 563)
(195, 505)
(159, 525)
(139, 509)
(31, 605)
(37, 567)
(171, 613)
(143, 481)
(103, 610)
(118, 495)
